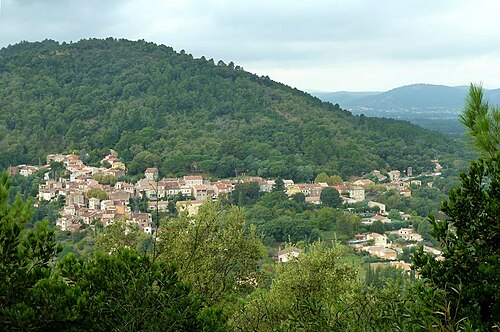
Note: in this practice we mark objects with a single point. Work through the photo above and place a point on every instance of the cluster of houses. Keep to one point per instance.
(87, 200)
(378, 245)
(84, 206)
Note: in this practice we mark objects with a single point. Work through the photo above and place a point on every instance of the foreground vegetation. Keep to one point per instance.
(210, 273)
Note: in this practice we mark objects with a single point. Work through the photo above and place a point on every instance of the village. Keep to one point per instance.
(87, 200)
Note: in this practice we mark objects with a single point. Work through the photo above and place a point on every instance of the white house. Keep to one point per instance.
(288, 254)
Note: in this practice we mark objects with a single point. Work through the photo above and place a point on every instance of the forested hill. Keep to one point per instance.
(155, 106)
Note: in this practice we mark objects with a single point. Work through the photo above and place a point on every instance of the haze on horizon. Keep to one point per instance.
(358, 45)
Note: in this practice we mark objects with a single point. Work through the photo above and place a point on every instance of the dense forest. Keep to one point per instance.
(155, 106)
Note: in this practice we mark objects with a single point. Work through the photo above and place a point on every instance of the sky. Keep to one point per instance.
(323, 45)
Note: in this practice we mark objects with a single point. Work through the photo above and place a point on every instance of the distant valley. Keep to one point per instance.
(430, 106)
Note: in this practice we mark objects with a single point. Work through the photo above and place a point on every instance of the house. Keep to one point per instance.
(55, 157)
(200, 192)
(110, 159)
(172, 187)
(382, 252)
(190, 206)
(288, 183)
(380, 177)
(186, 190)
(401, 265)
(408, 234)
(310, 189)
(27, 170)
(151, 173)
(405, 216)
(119, 195)
(379, 240)
(356, 193)
(76, 197)
(145, 222)
(63, 223)
(193, 180)
(380, 206)
(288, 254)
(378, 217)
(72, 160)
(94, 204)
(363, 182)
(313, 200)
(161, 205)
(267, 186)
(148, 187)
(221, 187)
(394, 175)
(128, 187)
(398, 185)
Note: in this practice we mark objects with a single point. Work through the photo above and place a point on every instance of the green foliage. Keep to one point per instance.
(97, 193)
(469, 238)
(215, 253)
(25, 265)
(119, 234)
(128, 292)
(155, 106)
(394, 214)
(333, 180)
(482, 121)
(245, 193)
(315, 292)
(330, 197)
(105, 179)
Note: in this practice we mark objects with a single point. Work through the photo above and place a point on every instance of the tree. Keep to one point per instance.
(97, 193)
(322, 177)
(25, 268)
(330, 197)
(377, 227)
(279, 185)
(119, 234)
(469, 238)
(318, 291)
(125, 291)
(394, 215)
(215, 252)
(299, 198)
(333, 180)
(470, 233)
(482, 121)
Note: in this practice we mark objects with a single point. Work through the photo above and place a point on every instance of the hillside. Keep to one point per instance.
(155, 106)
(427, 105)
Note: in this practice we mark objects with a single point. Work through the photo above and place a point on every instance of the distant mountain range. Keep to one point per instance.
(430, 106)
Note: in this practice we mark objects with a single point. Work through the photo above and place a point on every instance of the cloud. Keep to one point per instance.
(377, 42)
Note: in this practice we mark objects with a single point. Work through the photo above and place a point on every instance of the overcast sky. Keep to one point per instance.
(312, 45)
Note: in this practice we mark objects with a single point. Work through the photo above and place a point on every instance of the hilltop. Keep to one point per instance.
(156, 106)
